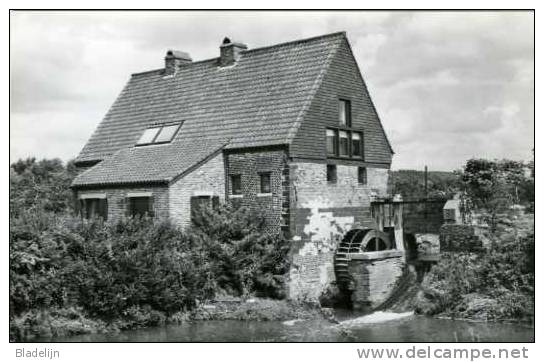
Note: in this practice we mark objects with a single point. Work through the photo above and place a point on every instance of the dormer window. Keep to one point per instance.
(159, 134)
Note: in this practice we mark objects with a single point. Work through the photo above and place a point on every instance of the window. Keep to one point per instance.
(344, 113)
(140, 206)
(159, 134)
(344, 144)
(167, 133)
(265, 183)
(356, 145)
(94, 207)
(148, 136)
(331, 173)
(201, 203)
(236, 184)
(332, 142)
(361, 175)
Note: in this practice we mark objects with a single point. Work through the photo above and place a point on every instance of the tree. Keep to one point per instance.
(493, 186)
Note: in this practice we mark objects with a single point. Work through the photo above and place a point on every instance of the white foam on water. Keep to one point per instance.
(376, 317)
(291, 322)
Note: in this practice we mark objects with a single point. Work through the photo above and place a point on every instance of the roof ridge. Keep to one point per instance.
(291, 42)
(266, 47)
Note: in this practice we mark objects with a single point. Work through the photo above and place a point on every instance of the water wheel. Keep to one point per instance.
(357, 241)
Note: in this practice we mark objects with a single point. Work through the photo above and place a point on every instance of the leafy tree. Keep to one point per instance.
(41, 185)
(493, 186)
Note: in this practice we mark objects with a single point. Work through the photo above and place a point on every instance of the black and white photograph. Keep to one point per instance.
(272, 176)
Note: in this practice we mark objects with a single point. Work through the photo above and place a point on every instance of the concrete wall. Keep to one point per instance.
(375, 275)
(116, 197)
(207, 179)
(321, 214)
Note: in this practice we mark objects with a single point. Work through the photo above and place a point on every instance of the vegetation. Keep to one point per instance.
(411, 184)
(499, 282)
(69, 275)
(495, 285)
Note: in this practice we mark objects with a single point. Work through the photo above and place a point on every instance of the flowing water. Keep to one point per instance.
(376, 327)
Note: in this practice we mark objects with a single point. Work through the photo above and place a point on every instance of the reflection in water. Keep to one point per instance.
(404, 329)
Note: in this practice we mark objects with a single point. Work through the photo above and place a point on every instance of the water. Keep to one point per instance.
(384, 327)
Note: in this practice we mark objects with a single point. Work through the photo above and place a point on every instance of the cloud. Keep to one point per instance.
(447, 85)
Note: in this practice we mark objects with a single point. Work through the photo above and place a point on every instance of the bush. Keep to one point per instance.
(139, 271)
(501, 281)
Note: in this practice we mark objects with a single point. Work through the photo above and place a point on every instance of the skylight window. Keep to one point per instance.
(148, 136)
(167, 133)
(162, 134)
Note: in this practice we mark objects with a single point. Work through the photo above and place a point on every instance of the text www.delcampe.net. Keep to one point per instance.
(445, 353)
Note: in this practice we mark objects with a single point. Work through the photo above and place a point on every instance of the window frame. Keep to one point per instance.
(160, 127)
(262, 176)
(345, 104)
(150, 205)
(332, 173)
(362, 175)
(350, 132)
(99, 210)
(231, 185)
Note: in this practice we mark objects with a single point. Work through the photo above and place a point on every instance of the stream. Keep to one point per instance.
(375, 327)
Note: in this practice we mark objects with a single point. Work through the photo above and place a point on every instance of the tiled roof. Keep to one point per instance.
(148, 164)
(256, 102)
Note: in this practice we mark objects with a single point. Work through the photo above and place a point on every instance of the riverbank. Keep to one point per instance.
(68, 322)
(494, 284)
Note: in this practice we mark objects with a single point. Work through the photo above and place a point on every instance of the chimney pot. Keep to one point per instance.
(230, 52)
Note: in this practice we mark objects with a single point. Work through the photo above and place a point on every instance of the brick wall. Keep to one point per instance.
(374, 279)
(116, 197)
(207, 179)
(321, 213)
(249, 164)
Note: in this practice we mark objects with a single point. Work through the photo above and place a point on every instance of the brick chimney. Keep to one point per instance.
(174, 60)
(230, 52)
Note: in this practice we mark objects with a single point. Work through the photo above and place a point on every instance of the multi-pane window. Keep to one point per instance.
(93, 207)
(159, 134)
(265, 183)
(343, 144)
(361, 175)
(356, 144)
(344, 112)
(140, 206)
(331, 173)
(236, 184)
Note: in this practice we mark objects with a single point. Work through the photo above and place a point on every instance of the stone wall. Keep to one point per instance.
(455, 237)
(117, 199)
(375, 275)
(206, 180)
(321, 214)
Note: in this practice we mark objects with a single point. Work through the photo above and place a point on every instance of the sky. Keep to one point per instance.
(448, 86)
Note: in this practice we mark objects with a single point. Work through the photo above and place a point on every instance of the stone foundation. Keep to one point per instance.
(375, 275)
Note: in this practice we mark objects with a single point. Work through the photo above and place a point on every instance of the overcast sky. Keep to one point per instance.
(447, 86)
